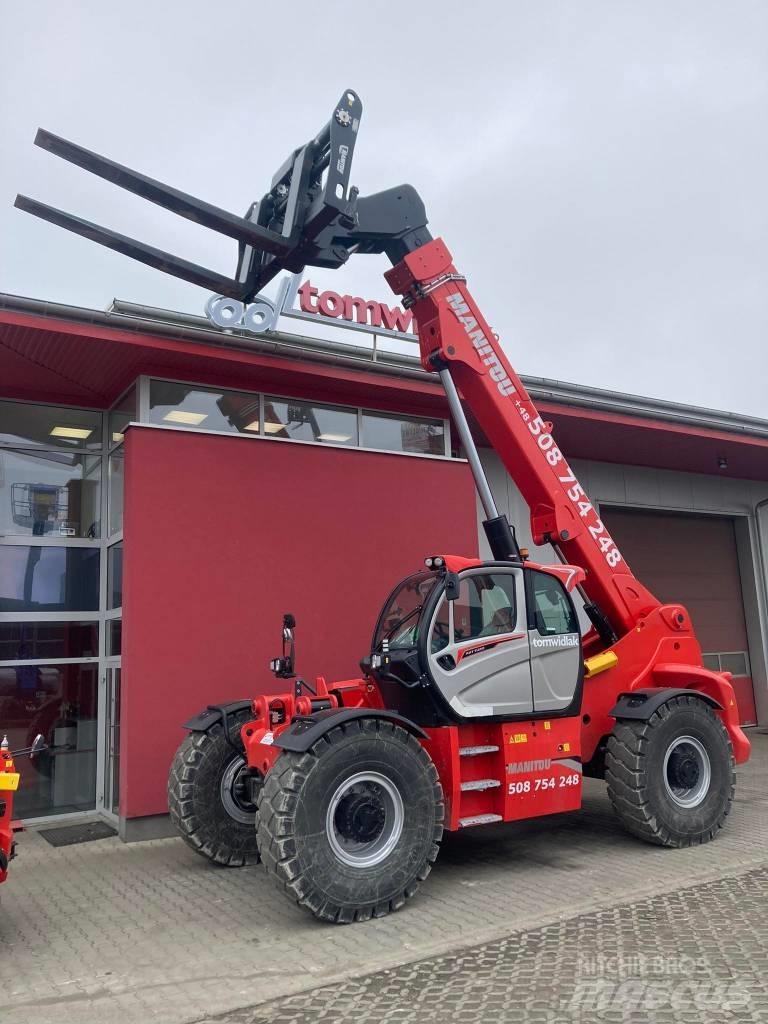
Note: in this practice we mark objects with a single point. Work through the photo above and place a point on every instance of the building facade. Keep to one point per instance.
(168, 489)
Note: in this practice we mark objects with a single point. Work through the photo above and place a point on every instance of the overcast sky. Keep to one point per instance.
(599, 168)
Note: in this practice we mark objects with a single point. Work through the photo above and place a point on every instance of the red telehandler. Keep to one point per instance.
(479, 701)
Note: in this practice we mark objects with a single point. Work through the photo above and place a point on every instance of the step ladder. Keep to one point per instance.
(479, 819)
(480, 799)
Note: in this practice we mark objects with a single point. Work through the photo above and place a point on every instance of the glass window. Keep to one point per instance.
(396, 434)
(116, 487)
(441, 631)
(735, 663)
(115, 576)
(123, 414)
(49, 426)
(114, 637)
(46, 640)
(303, 421)
(184, 405)
(398, 623)
(48, 578)
(552, 611)
(49, 493)
(60, 703)
(711, 661)
(486, 606)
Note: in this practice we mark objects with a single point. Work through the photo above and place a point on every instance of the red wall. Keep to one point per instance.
(222, 535)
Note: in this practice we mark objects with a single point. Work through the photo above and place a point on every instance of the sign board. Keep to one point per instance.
(348, 311)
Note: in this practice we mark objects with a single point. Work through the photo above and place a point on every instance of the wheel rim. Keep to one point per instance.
(687, 771)
(365, 819)
(234, 792)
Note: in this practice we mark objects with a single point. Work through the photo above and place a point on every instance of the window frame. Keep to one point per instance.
(98, 459)
(42, 447)
(484, 571)
(530, 600)
(144, 408)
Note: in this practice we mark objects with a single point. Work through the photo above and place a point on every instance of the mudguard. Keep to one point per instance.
(641, 704)
(215, 713)
(303, 732)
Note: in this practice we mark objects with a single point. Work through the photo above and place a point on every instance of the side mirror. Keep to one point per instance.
(282, 667)
(451, 586)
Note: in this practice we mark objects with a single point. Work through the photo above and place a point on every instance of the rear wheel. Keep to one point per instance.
(351, 827)
(671, 779)
(209, 799)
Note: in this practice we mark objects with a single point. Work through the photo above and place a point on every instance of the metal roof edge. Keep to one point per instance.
(131, 316)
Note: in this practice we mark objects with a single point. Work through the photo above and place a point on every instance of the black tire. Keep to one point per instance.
(671, 779)
(219, 826)
(317, 825)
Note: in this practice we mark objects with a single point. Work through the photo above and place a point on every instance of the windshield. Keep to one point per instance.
(398, 623)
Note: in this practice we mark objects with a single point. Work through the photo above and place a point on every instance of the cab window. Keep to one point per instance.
(441, 631)
(486, 606)
(398, 622)
(552, 611)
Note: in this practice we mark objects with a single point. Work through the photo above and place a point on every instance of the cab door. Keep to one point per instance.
(479, 653)
(555, 642)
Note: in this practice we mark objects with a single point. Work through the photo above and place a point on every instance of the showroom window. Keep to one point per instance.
(186, 405)
(120, 416)
(192, 407)
(49, 493)
(305, 421)
(27, 425)
(401, 434)
(52, 510)
(60, 702)
(36, 578)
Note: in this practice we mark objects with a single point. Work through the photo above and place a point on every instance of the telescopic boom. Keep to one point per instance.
(311, 215)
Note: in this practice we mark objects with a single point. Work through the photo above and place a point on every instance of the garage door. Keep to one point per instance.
(692, 559)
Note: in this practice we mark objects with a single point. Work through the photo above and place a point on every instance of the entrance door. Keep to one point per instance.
(555, 643)
(479, 651)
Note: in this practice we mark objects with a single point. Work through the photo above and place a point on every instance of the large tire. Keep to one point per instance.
(206, 800)
(350, 828)
(671, 779)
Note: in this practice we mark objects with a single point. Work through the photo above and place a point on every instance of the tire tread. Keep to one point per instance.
(626, 775)
(276, 838)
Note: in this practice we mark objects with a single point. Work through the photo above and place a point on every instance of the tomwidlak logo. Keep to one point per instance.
(263, 314)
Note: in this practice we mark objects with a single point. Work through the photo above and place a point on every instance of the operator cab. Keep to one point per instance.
(492, 640)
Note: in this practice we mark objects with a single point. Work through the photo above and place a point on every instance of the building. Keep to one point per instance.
(169, 488)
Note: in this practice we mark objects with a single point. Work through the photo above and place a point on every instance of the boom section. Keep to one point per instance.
(454, 335)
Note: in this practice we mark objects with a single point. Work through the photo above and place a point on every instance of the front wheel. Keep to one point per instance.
(671, 779)
(351, 827)
(209, 799)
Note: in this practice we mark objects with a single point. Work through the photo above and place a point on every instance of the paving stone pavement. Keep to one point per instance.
(105, 932)
(697, 954)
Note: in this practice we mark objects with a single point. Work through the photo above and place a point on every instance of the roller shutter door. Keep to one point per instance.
(692, 559)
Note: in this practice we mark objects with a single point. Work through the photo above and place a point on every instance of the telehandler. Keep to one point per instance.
(480, 700)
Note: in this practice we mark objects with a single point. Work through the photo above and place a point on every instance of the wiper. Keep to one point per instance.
(402, 622)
